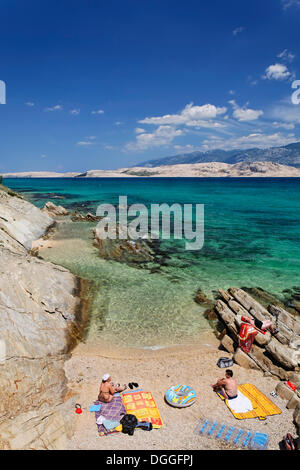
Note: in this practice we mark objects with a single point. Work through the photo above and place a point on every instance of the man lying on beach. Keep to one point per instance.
(227, 386)
(264, 326)
(108, 389)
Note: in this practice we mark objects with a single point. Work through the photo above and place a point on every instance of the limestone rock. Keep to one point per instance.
(284, 355)
(122, 248)
(244, 360)
(296, 418)
(85, 218)
(284, 391)
(21, 221)
(228, 344)
(293, 403)
(39, 322)
(278, 355)
(54, 210)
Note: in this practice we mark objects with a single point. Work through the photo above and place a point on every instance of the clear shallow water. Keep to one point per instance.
(252, 231)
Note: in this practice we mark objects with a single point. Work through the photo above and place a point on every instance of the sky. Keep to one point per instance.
(104, 85)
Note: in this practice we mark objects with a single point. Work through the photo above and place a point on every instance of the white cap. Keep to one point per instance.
(105, 377)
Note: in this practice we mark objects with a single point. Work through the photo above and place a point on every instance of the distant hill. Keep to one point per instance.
(287, 155)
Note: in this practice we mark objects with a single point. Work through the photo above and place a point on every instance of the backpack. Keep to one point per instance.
(129, 423)
(288, 442)
(224, 362)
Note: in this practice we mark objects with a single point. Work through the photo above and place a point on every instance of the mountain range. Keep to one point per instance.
(286, 155)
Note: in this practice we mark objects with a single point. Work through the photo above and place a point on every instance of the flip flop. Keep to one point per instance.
(130, 385)
(135, 384)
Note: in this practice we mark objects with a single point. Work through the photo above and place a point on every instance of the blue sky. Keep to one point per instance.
(93, 84)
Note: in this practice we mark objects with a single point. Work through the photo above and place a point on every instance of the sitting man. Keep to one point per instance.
(227, 386)
(108, 389)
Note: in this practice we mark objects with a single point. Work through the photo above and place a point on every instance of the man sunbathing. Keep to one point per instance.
(108, 389)
(259, 325)
(227, 386)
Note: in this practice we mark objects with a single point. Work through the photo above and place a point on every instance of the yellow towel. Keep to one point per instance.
(143, 406)
(262, 405)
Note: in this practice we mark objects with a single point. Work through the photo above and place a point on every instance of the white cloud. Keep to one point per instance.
(190, 116)
(83, 143)
(139, 130)
(277, 72)
(283, 125)
(30, 103)
(238, 30)
(163, 135)
(98, 111)
(259, 140)
(89, 141)
(286, 55)
(75, 112)
(286, 113)
(290, 3)
(57, 107)
(245, 114)
(184, 148)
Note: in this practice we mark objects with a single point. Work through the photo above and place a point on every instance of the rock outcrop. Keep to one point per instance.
(53, 210)
(39, 322)
(89, 217)
(278, 355)
(124, 250)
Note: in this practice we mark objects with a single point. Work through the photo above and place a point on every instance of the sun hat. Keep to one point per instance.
(105, 377)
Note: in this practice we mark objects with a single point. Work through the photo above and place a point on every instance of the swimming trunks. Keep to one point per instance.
(258, 323)
(231, 398)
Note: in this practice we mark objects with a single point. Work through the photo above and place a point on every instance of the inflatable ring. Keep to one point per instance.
(180, 396)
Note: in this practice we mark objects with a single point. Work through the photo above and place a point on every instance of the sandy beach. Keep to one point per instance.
(155, 371)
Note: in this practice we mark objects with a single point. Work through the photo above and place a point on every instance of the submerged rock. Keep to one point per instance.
(85, 218)
(39, 323)
(132, 252)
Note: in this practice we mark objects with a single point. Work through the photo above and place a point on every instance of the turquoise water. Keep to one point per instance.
(252, 229)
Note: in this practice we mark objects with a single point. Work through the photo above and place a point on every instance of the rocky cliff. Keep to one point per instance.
(39, 322)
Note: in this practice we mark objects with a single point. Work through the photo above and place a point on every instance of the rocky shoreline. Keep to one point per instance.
(275, 355)
(42, 312)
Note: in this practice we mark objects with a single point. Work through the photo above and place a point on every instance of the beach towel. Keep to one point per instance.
(240, 404)
(247, 336)
(262, 405)
(143, 406)
(112, 411)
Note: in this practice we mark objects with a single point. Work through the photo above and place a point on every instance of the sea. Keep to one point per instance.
(251, 239)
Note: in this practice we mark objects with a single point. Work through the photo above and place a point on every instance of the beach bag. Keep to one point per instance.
(224, 362)
(288, 442)
(129, 423)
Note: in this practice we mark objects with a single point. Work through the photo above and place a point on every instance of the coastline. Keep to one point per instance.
(211, 169)
(155, 370)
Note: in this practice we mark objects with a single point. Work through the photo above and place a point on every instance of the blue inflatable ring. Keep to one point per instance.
(180, 396)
